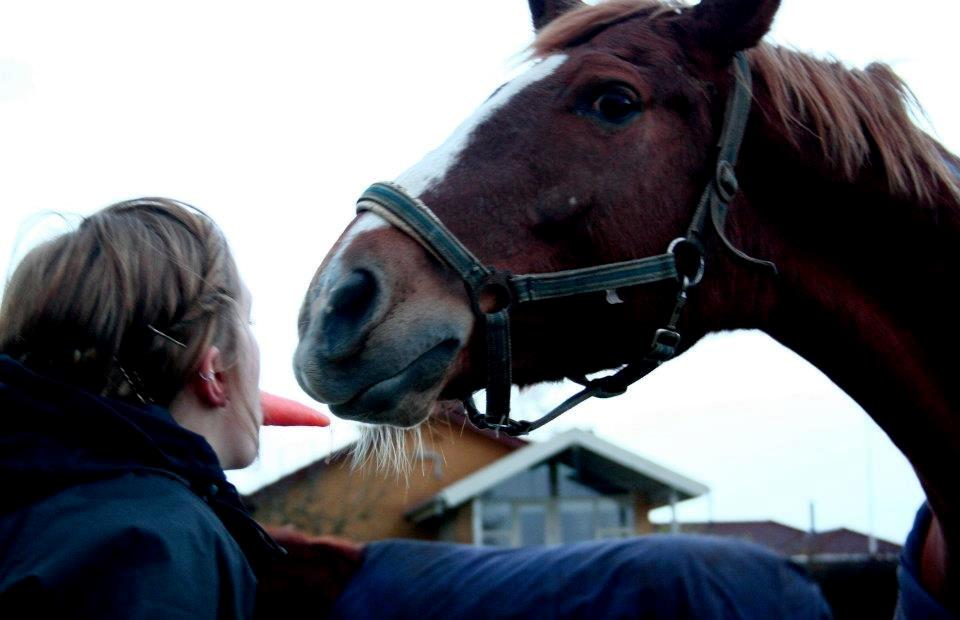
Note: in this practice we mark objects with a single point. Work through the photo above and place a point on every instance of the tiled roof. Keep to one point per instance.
(843, 541)
(791, 541)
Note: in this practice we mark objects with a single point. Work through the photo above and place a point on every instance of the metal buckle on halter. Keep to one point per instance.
(726, 181)
(664, 345)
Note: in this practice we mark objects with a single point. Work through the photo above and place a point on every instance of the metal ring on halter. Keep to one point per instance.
(506, 425)
(688, 281)
(498, 284)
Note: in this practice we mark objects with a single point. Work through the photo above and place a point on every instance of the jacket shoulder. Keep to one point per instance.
(118, 545)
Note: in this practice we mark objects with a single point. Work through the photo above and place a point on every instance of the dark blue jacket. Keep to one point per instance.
(109, 510)
(651, 577)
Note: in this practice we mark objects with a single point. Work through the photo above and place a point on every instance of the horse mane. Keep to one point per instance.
(853, 113)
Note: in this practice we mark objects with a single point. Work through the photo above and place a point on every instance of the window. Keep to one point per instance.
(569, 484)
(576, 520)
(531, 484)
(497, 524)
(613, 519)
(533, 524)
(549, 504)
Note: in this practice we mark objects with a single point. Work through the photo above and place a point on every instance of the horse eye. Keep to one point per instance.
(616, 105)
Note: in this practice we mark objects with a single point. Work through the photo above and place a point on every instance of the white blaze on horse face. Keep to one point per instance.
(434, 167)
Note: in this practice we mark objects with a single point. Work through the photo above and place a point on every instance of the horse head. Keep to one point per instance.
(597, 154)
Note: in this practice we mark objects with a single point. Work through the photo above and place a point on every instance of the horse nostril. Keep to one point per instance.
(354, 296)
(347, 313)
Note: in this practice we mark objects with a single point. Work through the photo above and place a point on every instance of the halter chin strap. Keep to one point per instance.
(683, 262)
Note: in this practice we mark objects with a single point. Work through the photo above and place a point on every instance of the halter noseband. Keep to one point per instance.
(409, 214)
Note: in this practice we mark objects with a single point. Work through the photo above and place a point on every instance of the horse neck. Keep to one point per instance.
(862, 293)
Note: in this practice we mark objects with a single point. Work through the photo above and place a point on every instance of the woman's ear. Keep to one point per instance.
(209, 384)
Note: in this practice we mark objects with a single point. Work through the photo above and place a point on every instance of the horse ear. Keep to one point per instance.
(728, 26)
(545, 11)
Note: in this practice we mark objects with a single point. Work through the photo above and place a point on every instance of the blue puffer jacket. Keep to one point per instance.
(108, 510)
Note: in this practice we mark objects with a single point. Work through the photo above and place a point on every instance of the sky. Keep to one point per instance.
(273, 117)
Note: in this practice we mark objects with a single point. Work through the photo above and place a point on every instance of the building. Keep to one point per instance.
(571, 488)
(478, 487)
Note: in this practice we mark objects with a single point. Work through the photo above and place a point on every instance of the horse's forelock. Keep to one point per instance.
(583, 23)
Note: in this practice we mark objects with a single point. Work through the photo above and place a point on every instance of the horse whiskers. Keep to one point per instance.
(388, 449)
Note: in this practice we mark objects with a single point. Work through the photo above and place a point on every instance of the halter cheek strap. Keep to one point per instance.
(683, 262)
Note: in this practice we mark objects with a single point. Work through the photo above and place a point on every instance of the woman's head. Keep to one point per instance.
(136, 303)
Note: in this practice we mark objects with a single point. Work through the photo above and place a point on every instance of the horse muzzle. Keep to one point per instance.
(374, 347)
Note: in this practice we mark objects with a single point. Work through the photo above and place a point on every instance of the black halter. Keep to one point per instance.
(683, 263)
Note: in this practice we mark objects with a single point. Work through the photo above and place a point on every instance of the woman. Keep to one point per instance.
(128, 383)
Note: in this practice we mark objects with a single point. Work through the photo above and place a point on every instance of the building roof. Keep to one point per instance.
(594, 457)
(790, 541)
(770, 534)
(843, 541)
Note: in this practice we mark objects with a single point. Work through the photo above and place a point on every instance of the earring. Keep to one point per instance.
(208, 378)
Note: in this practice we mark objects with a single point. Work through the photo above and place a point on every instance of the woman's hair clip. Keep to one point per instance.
(166, 336)
(135, 383)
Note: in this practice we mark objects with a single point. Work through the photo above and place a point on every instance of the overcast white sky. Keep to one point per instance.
(274, 116)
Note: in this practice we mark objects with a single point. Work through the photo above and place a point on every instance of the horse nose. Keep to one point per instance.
(347, 314)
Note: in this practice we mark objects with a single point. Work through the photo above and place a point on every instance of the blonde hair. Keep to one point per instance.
(125, 305)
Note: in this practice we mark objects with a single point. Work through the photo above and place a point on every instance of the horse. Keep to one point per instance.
(770, 190)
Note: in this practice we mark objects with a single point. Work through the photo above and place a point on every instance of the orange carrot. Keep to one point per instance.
(279, 411)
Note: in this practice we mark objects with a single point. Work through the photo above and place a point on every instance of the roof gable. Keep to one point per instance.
(602, 458)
